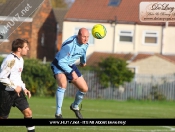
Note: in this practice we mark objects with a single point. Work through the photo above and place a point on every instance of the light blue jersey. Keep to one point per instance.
(70, 51)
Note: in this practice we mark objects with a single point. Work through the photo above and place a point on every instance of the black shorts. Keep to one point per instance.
(9, 99)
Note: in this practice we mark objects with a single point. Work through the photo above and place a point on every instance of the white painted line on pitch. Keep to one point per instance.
(97, 128)
(92, 110)
(171, 128)
(38, 115)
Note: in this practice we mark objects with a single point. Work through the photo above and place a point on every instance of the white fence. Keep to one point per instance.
(141, 88)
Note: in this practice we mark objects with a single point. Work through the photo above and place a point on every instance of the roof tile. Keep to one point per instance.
(98, 10)
(96, 57)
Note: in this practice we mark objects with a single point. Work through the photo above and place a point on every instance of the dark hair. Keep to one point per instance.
(18, 43)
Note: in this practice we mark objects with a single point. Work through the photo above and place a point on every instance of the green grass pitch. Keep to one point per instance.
(45, 108)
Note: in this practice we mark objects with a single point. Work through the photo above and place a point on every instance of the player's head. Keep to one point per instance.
(83, 36)
(20, 46)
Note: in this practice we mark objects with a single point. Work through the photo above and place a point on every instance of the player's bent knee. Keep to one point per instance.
(61, 80)
(62, 85)
(27, 112)
(81, 84)
(85, 90)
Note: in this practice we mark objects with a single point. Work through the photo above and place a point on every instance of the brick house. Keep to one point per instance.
(142, 64)
(39, 28)
(153, 64)
(126, 34)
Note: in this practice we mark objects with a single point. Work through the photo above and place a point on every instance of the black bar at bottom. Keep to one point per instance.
(88, 122)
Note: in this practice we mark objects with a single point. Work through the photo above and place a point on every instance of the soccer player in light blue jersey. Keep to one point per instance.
(64, 69)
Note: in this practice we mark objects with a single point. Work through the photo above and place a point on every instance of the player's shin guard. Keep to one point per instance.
(59, 99)
(30, 128)
(78, 98)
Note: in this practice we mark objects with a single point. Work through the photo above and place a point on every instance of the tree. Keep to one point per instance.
(112, 71)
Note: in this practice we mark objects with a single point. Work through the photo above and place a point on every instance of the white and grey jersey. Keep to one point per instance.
(10, 72)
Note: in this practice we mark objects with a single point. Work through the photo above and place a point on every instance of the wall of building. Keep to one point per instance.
(112, 44)
(44, 24)
(23, 31)
(153, 65)
(169, 40)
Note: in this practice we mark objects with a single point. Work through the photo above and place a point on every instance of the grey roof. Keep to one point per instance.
(12, 7)
(59, 15)
(7, 7)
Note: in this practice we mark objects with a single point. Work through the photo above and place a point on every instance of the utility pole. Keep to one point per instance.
(114, 25)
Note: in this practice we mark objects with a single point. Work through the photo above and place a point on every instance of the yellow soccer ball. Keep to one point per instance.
(99, 31)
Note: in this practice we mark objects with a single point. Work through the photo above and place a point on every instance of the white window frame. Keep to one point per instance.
(76, 29)
(135, 68)
(5, 36)
(127, 33)
(42, 39)
(150, 34)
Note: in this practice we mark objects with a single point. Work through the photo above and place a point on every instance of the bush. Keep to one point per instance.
(39, 78)
(156, 94)
(112, 71)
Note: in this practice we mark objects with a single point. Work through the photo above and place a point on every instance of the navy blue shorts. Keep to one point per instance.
(57, 69)
(69, 76)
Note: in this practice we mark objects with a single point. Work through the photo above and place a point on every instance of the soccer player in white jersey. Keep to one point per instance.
(64, 69)
(12, 88)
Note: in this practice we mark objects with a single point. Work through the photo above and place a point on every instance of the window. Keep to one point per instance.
(150, 37)
(91, 38)
(42, 39)
(126, 36)
(114, 2)
(1, 36)
(3, 33)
